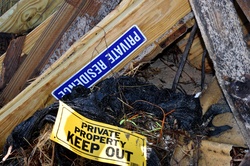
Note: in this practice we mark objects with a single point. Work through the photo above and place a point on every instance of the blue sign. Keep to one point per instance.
(106, 61)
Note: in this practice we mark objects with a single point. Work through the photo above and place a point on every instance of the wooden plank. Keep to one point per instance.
(12, 61)
(30, 39)
(27, 14)
(161, 15)
(43, 47)
(223, 38)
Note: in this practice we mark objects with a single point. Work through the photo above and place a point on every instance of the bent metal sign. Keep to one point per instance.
(105, 62)
(98, 141)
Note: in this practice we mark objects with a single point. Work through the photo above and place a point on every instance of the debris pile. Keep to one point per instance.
(160, 114)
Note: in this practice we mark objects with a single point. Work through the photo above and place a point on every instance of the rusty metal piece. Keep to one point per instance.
(245, 6)
(182, 30)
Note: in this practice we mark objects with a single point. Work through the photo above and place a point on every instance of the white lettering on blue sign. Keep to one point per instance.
(101, 65)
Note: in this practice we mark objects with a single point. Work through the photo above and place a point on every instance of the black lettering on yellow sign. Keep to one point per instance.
(100, 131)
(98, 141)
(118, 153)
(81, 143)
(91, 147)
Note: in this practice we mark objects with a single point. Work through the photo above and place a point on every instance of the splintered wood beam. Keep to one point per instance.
(223, 37)
(30, 39)
(26, 14)
(160, 16)
(43, 47)
(12, 60)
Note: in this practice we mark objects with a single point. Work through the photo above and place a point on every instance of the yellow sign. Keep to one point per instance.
(98, 141)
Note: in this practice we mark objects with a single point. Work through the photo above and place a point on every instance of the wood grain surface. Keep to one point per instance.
(44, 46)
(27, 14)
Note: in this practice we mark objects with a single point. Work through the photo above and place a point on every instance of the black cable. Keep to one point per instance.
(203, 68)
(184, 57)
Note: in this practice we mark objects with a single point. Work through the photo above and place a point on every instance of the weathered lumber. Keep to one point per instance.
(223, 37)
(27, 14)
(160, 16)
(43, 47)
(12, 60)
(30, 39)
